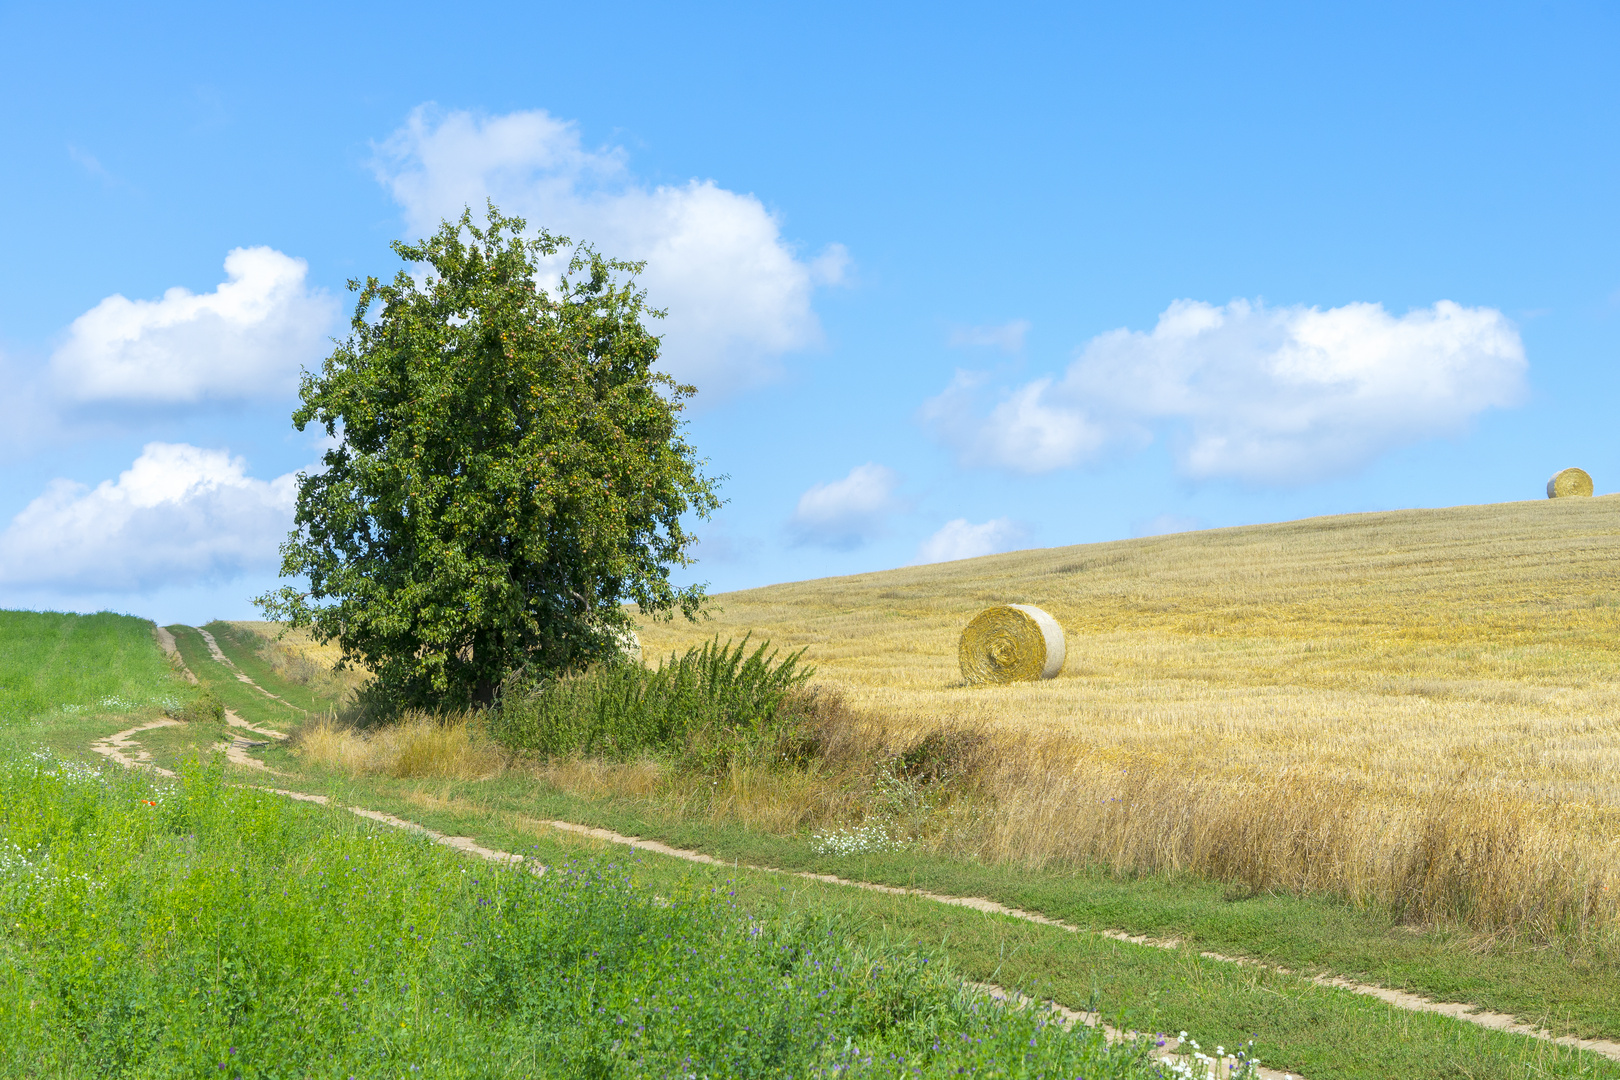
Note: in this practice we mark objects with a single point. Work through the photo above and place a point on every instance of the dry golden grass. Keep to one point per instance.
(770, 800)
(416, 745)
(1419, 708)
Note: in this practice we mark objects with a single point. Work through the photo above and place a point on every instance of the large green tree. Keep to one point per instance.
(508, 468)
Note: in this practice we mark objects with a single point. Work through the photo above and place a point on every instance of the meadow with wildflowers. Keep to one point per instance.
(193, 928)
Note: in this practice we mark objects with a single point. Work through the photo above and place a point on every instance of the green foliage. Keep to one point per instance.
(704, 704)
(202, 707)
(85, 663)
(511, 470)
(191, 928)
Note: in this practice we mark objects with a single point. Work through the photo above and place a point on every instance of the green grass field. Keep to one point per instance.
(192, 928)
(98, 663)
(153, 927)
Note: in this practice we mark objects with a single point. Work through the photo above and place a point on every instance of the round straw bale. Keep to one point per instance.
(1010, 643)
(1569, 482)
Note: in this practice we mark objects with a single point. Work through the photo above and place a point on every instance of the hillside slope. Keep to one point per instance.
(1331, 698)
(1495, 598)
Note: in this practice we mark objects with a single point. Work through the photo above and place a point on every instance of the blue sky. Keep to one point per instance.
(950, 279)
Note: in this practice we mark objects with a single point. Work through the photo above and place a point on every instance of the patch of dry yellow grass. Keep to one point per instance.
(418, 745)
(1419, 708)
(770, 800)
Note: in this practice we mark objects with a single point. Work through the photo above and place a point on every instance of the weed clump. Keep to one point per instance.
(416, 744)
(202, 707)
(707, 706)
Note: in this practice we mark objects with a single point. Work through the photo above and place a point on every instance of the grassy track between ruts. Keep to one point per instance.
(1309, 935)
(238, 696)
(1321, 1033)
(242, 652)
(1318, 1032)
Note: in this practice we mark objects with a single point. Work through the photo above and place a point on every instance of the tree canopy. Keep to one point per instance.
(507, 468)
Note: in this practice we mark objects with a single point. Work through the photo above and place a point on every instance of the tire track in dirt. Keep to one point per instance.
(171, 649)
(237, 749)
(113, 747)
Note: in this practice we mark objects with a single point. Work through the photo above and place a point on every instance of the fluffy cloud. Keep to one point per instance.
(738, 295)
(247, 337)
(179, 515)
(1008, 337)
(1029, 430)
(845, 514)
(1271, 395)
(961, 539)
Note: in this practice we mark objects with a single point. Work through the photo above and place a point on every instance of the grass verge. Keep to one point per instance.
(193, 928)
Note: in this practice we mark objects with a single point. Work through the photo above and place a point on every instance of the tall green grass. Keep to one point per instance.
(152, 929)
(103, 663)
(704, 704)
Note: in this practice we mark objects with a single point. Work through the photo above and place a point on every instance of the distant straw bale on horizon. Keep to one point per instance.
(1569, 482)
(1011, 643)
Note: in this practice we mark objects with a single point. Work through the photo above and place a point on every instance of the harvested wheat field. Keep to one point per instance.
(1418, 708)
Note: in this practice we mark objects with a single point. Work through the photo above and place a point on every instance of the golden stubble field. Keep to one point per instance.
(1419, 708)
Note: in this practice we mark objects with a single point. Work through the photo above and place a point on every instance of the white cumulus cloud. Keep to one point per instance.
(961, 539)
(846, 513)
(179, 515)
(247, 337)
(1029, 430)
(738, 295)
(1271, 395)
